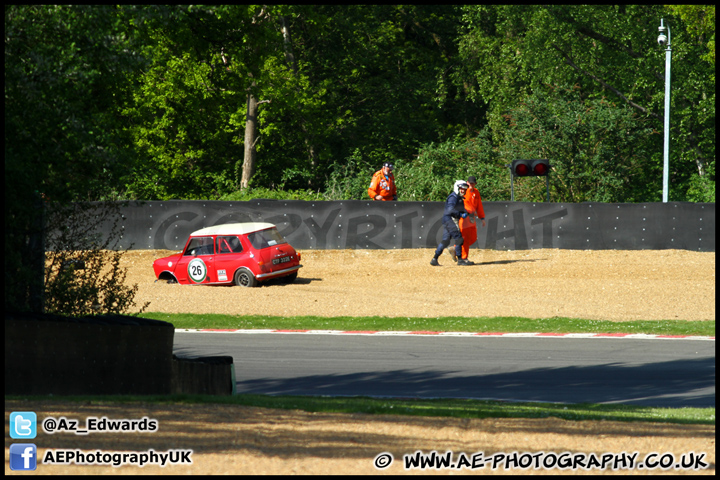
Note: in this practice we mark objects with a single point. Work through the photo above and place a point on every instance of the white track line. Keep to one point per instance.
(636, 336)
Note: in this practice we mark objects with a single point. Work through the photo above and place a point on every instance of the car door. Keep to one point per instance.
(229, 256)
(197, 264)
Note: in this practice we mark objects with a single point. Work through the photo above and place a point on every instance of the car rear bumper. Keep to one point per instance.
(278, 273)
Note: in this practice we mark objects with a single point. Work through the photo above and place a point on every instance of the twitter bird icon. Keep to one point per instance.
(23, 425)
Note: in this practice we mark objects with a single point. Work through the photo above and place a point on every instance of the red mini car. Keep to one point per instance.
(235, 253)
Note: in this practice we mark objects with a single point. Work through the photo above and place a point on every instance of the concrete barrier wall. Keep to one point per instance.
(66, 356)
(388, 225)
(104, 355)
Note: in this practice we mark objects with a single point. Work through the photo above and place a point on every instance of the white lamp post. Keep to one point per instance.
(665, 40)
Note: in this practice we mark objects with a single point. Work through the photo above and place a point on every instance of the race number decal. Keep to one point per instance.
(197, 270)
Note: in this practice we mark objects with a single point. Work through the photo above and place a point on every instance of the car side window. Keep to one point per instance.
(200, 246)
(229, 244)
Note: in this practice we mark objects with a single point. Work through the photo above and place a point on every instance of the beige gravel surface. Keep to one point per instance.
(603, 285)
(614, 285)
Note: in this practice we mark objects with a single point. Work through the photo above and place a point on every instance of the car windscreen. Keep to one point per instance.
(266, 238)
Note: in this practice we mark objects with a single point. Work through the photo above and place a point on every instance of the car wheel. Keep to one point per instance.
(245, 278)
(291, 278)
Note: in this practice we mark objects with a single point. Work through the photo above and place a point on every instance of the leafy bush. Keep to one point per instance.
(432, 175)
(82, 270)
(350, 179)
(253, 193)
(702, 189)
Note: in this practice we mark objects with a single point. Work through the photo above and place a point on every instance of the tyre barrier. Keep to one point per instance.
(203, 375)
(103, 355)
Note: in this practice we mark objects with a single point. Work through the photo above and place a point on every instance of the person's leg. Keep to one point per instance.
(469, 237)
(443, 244)
(457, 236)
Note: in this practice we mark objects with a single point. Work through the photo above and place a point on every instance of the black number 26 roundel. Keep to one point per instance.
(197, 270)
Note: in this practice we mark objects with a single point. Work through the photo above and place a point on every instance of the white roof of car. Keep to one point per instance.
(233, 229)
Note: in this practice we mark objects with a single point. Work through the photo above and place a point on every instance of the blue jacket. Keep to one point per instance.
(454, 206)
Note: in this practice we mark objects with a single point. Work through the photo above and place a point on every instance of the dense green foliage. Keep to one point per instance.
(152, 102)
(306, 102)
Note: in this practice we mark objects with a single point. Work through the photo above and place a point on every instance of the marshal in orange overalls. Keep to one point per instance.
(383, 184)
(468, 226)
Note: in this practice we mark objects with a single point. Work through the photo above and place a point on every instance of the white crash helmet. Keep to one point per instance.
(459, 184)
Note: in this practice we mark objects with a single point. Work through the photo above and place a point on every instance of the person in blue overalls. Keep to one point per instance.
(454, 211)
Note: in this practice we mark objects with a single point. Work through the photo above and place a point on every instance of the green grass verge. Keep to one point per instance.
(438, 324)
(446, 407)
(457, 408)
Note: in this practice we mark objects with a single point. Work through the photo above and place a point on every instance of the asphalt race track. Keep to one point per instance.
(654, 372)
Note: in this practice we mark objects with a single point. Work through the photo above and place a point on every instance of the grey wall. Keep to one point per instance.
(388, 225)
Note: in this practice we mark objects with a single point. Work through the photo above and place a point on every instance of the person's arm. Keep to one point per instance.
(480, 211)
(372, 191)
(458, 208)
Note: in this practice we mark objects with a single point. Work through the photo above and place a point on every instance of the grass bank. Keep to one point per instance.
(457, 408)
(438, 324)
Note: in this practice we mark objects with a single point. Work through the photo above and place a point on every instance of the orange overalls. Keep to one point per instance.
(383, 186)
(468, 227)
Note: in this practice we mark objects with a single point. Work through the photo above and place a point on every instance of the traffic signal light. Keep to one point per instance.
(530, 168)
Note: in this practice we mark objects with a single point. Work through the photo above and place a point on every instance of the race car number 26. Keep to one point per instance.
(197, 270)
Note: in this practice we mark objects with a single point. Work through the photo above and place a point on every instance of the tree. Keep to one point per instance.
(64, 70)
(378, 67)
(316, 83)
(700, 25)
(596, 148)
(200, 99)
(512, 52)
(178, 119)
(159, 102)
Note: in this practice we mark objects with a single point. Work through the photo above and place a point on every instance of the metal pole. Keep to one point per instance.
(547, 187)
(512, 182)
(512, 187)
(666, 147)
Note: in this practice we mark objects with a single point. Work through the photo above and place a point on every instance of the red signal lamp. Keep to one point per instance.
(530, 168)
(540, 168)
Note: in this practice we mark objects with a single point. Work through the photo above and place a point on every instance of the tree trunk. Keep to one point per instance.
(248, 168)
(290, 59)
(287, 43)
